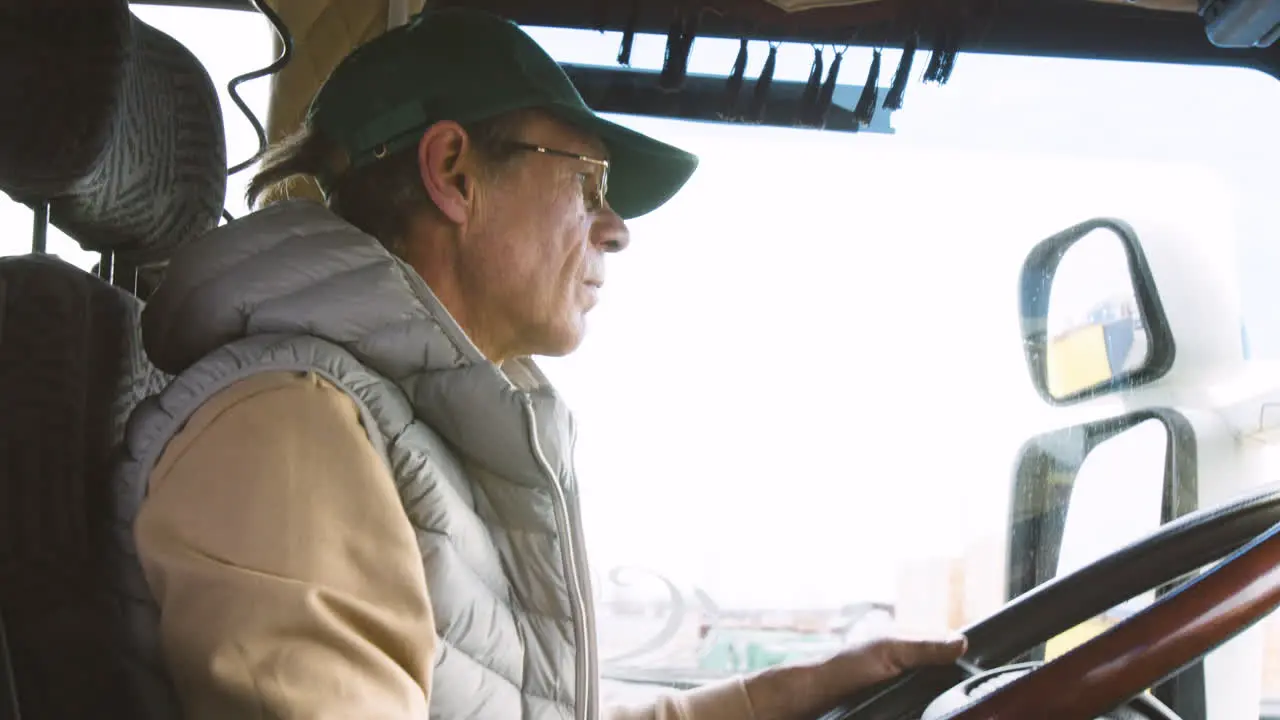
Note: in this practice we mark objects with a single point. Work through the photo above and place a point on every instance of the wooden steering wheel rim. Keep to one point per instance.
(1176, 550)
(1139, 652)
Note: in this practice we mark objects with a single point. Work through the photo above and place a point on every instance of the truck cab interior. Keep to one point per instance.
(112, 133)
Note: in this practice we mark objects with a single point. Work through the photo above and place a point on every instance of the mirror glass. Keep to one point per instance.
(1117, 498)
(1095, 328)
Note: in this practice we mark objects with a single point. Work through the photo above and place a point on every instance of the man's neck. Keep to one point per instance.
(452, 295)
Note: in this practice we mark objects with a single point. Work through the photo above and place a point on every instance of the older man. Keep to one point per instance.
(362, 502)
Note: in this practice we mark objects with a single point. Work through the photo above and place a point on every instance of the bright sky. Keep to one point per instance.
(816, 346)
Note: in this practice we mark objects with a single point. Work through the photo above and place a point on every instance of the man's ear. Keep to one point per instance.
(444, 173)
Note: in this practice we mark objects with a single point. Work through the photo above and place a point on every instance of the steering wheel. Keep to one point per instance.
(1108, 671)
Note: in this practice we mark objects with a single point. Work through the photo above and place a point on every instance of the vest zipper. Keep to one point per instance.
(583, 709)
(588, 598)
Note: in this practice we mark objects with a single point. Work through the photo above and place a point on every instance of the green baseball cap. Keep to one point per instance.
(466, 66)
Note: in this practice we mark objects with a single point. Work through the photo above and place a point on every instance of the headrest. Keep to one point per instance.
(113, 122)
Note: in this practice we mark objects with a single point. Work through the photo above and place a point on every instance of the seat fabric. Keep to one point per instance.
(120, 132)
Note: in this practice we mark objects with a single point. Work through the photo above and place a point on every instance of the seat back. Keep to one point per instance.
(119, 132)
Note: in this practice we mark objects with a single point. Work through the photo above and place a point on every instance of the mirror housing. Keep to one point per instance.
(1044, 481)
(1063, 490)
(1092, 322)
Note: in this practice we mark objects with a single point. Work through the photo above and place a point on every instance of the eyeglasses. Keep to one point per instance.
(594, 186)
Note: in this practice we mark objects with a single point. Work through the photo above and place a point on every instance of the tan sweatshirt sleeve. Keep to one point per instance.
(287, 573)
(726, 700)
(288, 576)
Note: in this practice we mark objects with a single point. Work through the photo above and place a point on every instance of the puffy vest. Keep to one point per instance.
(482, 455)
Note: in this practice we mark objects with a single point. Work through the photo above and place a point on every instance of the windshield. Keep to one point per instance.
(803, 394)
(804, 391)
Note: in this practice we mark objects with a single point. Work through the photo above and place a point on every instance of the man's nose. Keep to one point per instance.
(610, 232)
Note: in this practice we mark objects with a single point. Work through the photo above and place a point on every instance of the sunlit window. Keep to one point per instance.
(802, 394)
(205, 33)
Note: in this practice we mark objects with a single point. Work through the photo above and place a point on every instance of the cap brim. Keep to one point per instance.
(643, 173)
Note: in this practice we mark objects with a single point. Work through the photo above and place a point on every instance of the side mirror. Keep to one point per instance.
(1069, 473)
(1092, 322)
(1084, 491)
(1117, 497)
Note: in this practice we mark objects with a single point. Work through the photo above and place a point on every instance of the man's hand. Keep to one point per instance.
(804, 692)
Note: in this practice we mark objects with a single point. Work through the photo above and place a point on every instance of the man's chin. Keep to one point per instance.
(566, 339)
